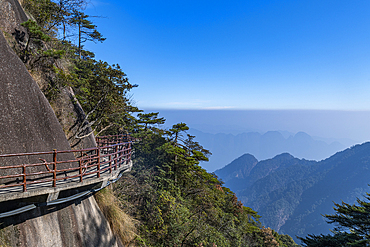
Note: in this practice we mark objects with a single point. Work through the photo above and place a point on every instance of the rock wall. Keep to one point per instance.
(67, 109)
(11, 15)
(28, 124)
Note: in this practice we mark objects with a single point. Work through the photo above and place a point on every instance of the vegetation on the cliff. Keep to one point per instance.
(100, 88)
(122, 224)
(177, 202)
(174, 200)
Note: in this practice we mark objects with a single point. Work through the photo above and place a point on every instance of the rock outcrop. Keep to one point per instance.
(11, 16)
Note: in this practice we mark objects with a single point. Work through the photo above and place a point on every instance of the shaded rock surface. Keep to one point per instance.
(75, 224)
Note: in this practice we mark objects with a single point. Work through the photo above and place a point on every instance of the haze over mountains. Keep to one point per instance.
(323, 123)
(291, 194)
(226, 147)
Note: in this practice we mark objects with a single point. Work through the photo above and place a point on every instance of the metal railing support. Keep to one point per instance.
(24, 178)
(80, 166)
(54, 168)
(98, 167)
(110, 163)
(115, 157)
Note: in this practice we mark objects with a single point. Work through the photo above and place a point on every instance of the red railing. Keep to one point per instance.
(111, 153)
(113, 139)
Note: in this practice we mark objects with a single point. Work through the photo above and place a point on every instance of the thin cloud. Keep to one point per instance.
(218, 107)
(192, 103)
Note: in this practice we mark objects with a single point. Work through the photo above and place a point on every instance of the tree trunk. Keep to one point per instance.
(79, 39)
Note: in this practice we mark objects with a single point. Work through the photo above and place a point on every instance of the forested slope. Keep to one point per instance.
(292, 194)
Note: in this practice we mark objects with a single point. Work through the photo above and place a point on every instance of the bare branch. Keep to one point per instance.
(96, 106)
(105, 128)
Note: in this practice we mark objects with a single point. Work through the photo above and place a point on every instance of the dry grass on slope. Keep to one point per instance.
(122, 224)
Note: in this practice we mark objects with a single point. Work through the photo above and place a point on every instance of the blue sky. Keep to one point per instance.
(204, 54)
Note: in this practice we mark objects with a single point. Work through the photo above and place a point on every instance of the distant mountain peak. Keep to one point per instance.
(302, 133)
(247, 156)
(240, 167)
(226, 147)
(284, 156)
(291, 194)
(273, 134)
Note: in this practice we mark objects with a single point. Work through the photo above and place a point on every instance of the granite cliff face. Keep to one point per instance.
(11, 16)
(28, 124)
(67, 109)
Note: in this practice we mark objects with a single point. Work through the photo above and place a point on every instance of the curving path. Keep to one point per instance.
(52, 175)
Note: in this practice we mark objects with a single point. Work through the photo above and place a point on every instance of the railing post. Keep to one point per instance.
(129, 152)
(54, 168)
(80, 164)
(98, 167)
(110, 163)
(124, 153)
(115, 157)
(24, 179)
(120, 153)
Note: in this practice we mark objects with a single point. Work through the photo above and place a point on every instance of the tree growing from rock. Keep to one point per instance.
(86, 30)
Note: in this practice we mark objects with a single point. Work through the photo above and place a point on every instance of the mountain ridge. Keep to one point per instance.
(291, 194)
(225, 147)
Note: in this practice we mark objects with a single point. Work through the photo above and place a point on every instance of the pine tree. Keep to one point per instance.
(86, 30)
(353, 226)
